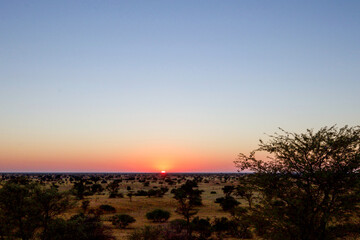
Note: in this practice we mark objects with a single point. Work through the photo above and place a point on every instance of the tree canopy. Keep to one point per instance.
(308, 185)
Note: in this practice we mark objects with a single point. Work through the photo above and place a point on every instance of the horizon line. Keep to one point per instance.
(109, 172)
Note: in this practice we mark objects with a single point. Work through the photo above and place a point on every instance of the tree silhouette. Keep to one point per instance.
(188, 198)
(309, 180)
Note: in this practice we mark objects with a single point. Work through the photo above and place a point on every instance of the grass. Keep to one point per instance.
(140, 205)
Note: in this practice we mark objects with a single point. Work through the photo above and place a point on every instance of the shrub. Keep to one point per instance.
(221, 224)
(116, 195)
(171, 233)
(97, 188)
(178, 225)
(85, 205)
(122, 220)
(141, 193)
(80, 227)
(146, 233)
(158, 215)
(202, 226)
(107, 208)
(227, 203)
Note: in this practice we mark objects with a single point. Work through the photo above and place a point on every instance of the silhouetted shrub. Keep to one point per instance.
(97, 188)
(146, 233)
(178, 225)
(107, 208)
(227, 203)
(202, 226)
(85, 205)
(141, 193)
(122, 220)
(79, 227)
(158, 215)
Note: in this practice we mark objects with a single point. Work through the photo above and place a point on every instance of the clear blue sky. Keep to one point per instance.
(161, 82)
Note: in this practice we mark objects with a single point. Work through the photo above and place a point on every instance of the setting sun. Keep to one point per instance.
(163, 172)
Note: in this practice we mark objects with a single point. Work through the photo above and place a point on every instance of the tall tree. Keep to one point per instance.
(189, 198)
(27, 207)
(309, 180)
(19, 210)
(50, 203)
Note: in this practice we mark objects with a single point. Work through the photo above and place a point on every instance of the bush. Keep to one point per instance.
(202, 226)
(235, 228)
(78, 227)
(227, 203)
(178, 225)
(116, 195)
(146, 233)
(171, 233)
(221, 224)
(122, 220)
(158, 215)
(141, 193)
(107, 208)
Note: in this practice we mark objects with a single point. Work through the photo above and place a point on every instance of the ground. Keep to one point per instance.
(140, 205)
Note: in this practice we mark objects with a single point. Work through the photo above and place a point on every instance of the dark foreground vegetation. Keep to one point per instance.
(309, 189)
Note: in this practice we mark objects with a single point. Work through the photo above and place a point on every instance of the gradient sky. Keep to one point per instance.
(144, 86)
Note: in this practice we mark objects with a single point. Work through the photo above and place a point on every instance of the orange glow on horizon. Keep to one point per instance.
(151, 157)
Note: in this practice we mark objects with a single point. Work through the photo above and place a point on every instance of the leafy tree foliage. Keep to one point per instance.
(309, 181)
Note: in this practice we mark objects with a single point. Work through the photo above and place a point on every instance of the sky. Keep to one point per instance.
(181, 86)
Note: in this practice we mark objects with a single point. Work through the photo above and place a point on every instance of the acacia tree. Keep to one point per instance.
(50, 203)
(26, 208)
(309, 180)
(246, 189)
(113, 188)
(189, 198)
(19, 210)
